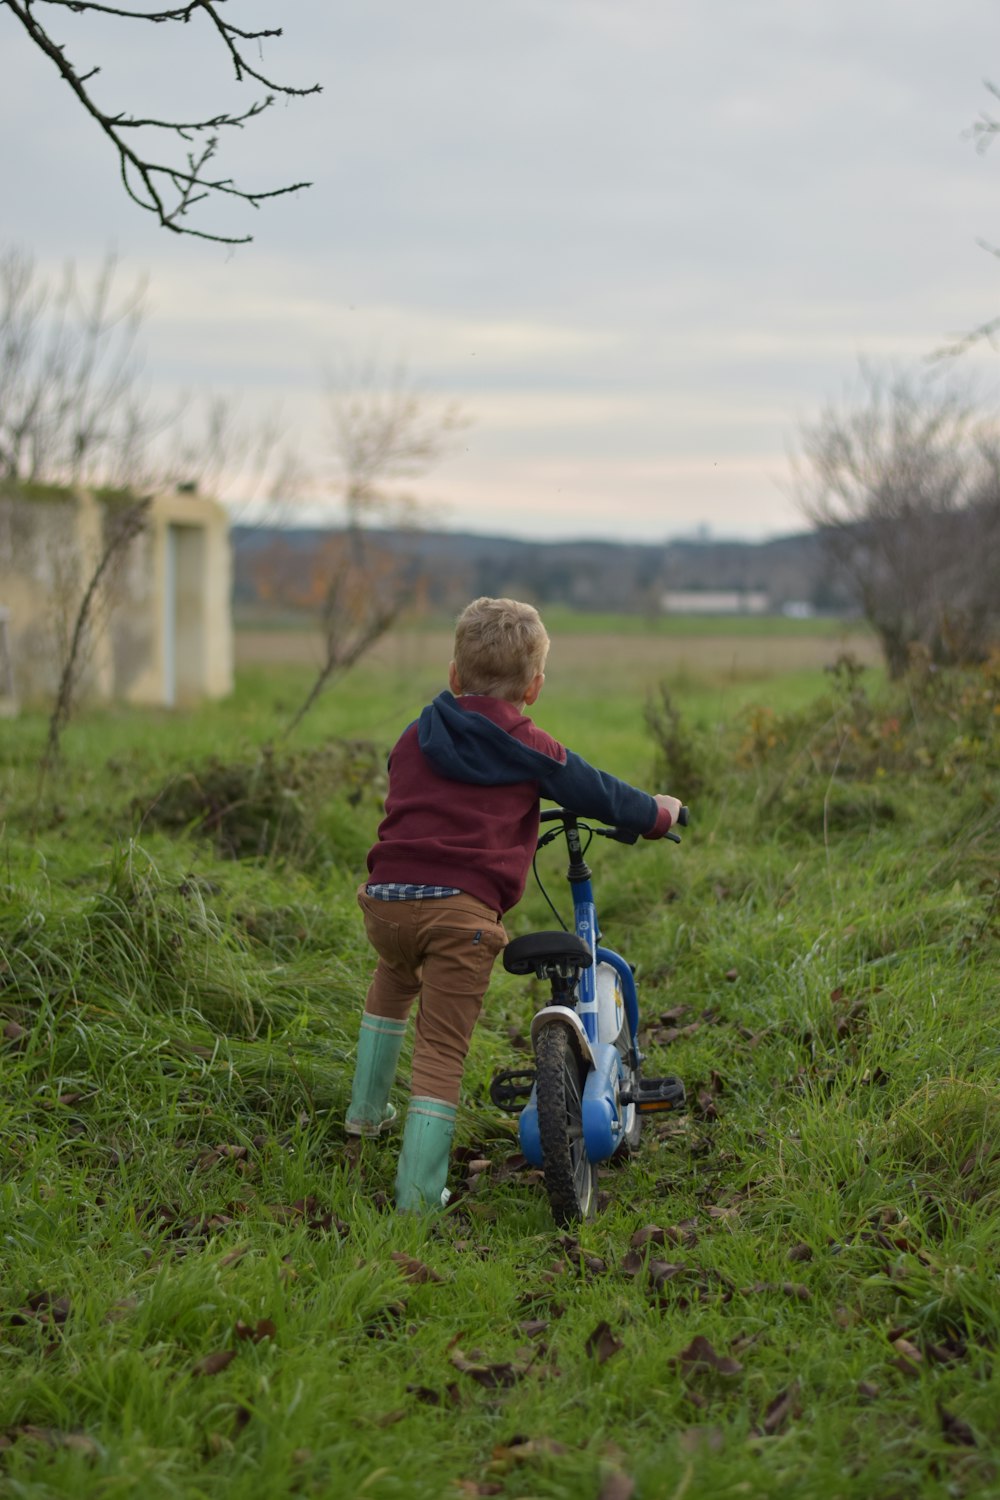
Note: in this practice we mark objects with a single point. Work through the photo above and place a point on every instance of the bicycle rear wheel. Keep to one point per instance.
(570, 1178)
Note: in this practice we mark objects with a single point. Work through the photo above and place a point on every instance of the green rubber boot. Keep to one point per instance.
(423, 1161)
(379, 1042)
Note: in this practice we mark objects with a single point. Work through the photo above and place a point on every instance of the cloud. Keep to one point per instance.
(640, 242)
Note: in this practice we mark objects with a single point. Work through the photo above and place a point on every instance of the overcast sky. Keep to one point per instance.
(640, 241)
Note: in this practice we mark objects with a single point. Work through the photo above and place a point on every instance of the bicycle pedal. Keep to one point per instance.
(511, 1089)
(656, 1095)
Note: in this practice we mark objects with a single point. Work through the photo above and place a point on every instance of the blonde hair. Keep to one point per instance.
(500, 645)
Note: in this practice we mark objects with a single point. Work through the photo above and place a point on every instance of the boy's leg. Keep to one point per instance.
(460, 939)
(391, 993)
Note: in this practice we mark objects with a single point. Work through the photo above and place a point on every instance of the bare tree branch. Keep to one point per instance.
(983, 132)
(169, 190)
(381, 431)
(72, 408)
(124, 526)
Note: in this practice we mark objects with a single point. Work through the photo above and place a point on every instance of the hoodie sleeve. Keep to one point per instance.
(596, 794)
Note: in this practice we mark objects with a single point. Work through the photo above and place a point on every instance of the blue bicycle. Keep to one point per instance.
(586, 1096)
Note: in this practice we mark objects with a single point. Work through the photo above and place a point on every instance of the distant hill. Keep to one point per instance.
(790, 572)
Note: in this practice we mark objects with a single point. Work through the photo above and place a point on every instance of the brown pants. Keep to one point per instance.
(440, 949)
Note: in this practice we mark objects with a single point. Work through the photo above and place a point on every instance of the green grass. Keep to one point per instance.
(203, 1293)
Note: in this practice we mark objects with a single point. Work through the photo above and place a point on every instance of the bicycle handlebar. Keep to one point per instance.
(620, 835)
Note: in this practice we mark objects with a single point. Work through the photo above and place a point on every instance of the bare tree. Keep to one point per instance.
(123, 524)
(72, 405)
(168, 189)
(382, 432)
(903, 486)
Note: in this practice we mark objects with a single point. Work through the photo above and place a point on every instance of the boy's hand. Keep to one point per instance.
(667, 805)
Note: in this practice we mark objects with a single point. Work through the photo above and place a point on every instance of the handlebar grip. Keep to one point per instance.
(682, 817)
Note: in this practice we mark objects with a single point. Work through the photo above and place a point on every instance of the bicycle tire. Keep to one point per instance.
(570, 1178)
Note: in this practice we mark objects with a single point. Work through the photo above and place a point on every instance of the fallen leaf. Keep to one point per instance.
(685, 1233)
(602, 1343)
(414, 1270)
(945, 1353)
(262, 1329)
(674, 1014)
(232, 1256)
(955, 1430)
(43, 1307)
(908, 1351)
(675, 1033)
(492, 1376)
(431, 1397)
(700, 1357)
(213, 1364)
(532, 1327)
(784, 1405)
(796, 1289)
(662, 1271)
(520, 1449)
(650, 1234)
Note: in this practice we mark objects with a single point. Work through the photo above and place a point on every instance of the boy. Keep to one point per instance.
(453, 854)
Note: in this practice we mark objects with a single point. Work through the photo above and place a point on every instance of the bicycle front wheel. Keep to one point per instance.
(570, 1177)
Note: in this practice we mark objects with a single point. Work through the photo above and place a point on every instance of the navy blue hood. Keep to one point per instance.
(463, 745)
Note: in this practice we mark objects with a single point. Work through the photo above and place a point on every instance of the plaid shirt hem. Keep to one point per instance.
(398, 891)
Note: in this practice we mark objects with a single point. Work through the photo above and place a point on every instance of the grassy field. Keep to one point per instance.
(791, 1291)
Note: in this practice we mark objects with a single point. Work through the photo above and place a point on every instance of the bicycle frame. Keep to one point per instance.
(596, 1022)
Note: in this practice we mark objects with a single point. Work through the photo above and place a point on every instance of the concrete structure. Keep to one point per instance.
(161, 629)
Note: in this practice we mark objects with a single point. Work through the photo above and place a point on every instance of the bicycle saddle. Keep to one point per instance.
(536, 952)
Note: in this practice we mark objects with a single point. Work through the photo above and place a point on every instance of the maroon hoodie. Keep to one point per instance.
(465, 781)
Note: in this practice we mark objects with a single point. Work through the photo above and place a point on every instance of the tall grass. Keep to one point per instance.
(791, 1290)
